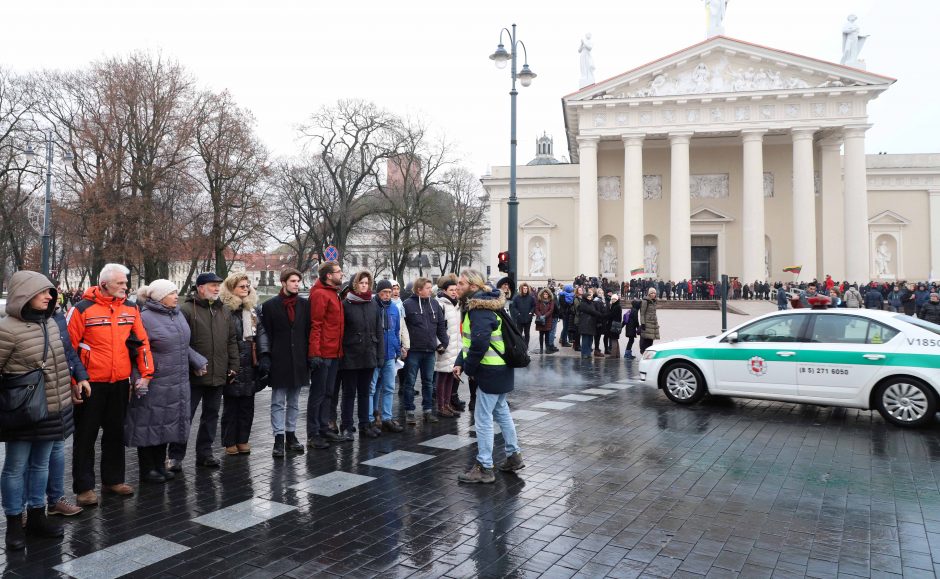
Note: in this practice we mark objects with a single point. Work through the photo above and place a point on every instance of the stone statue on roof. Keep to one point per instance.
(587, 61)
(852, 42)
(716, 16)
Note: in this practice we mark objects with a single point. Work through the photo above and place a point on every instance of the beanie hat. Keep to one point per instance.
(383, 284)
(394, 283)
(157, 290)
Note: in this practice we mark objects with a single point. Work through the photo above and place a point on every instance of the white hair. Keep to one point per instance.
(108, 271)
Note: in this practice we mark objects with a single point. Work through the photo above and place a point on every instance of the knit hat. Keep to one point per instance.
(157, 290)
(383, 284)
(394, 283)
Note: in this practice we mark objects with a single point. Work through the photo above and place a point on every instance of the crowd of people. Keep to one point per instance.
(136, 372)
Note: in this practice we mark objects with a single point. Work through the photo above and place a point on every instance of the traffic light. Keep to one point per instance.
(504, 261)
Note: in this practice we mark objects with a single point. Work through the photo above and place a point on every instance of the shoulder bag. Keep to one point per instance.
(23, 396)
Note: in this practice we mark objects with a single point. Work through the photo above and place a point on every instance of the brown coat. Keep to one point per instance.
(21, 348)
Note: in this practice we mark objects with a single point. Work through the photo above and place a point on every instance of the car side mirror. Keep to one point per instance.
(732, 338)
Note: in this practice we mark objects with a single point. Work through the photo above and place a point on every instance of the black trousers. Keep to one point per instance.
(356, 390)
(335, 396)
(526, 332)
(644, 344)
(322, 381)
(151, 458)
(238, 413)
(211, 398)
(103, 410)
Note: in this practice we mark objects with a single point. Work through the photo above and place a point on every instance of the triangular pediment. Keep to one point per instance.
(889, 218)
(537, 222)
(723, 65)
(709, 215)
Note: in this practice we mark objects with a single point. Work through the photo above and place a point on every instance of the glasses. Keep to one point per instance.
(243, 286)
(337, 271)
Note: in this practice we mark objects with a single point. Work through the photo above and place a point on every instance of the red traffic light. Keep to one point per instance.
(503, 261)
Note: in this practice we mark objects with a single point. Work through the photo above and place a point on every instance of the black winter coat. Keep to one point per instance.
(907, 301)
(286, 343)
(427, 327)
(588, 315)
(631, 328)
(245, 383)
(930, 312)
(363, 334)
(614, 314)
(522, 308)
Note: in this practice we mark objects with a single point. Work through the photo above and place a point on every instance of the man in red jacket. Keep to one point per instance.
(325, 351)
(99, 327)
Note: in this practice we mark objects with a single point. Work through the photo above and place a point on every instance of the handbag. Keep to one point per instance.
(615, 327)
(23, 396)
(540, 320)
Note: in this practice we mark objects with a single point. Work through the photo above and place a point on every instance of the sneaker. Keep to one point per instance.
(429, 417)
(392, 426)
(318, 442)
(512, 463)
(477, 474)
(64, 507)
(347, 436)
(410, 418)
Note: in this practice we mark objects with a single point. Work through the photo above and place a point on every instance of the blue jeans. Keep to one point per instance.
(551, 334)
(55, 487)
(381, 398)
(25, 471)
(587, 343)
(285, 406)
(489, 407)
(564, 330)
(414, 361)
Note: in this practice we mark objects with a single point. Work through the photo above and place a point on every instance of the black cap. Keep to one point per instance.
(207, 277)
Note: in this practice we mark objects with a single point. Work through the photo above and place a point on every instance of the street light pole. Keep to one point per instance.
(47, 214)
(525, 77)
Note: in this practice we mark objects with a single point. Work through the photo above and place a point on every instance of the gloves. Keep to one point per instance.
(264, 364)
(314, 363)
(642, 327)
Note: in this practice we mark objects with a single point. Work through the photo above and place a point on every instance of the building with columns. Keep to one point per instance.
(726, 157)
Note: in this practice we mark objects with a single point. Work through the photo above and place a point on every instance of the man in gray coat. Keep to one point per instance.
(213, 336)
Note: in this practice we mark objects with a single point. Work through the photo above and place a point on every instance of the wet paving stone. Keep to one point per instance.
(624, 485)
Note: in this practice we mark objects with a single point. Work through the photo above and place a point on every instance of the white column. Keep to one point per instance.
(588, 263)
(934, 233)
(680, 209)
(804, 202)
(752, 210)
(632, 204)
(833, 220)
(857, 266)
(496, 230)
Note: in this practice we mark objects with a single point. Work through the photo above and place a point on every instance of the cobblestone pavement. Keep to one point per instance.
(621, 483)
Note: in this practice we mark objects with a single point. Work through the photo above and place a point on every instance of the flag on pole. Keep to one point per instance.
(794, 269)
(637, 271)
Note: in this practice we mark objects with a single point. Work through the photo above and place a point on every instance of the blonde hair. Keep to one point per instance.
(476, 278)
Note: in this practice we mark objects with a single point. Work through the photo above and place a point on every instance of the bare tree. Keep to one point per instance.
(233, 165)
(456, 239)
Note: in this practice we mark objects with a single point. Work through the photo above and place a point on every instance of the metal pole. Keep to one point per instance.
(513, 201)
(47, 216)
(724, 302)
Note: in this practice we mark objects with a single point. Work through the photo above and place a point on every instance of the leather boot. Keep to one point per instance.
(278, 451)
(293, 444)
(16, 538)
(38, 525)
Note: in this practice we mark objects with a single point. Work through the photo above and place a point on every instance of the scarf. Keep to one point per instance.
(290, 301)
(453, 301)
(359, 298)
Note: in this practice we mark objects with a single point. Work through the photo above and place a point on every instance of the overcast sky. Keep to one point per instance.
(283, 60)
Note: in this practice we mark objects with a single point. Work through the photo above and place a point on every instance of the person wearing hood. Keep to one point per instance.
(238, 394)
(427, 329)
(631, 326)
(363, 352)
(649, 323)
(505, 286)
(445, 382)
(590, 311)
(30, 340)
(565, 301)
(100, 327)
(324, 351)
(396, 340)
(212, 334)
(544, 318)
(613, 321)
(283, 357)
(522, 308)
(160, 414)
(480, 357)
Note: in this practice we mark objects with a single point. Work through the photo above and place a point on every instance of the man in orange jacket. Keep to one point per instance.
(100, 327)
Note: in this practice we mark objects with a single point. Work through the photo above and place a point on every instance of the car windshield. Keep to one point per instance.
(930, 327)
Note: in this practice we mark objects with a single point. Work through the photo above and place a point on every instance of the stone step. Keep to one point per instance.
(695, 305)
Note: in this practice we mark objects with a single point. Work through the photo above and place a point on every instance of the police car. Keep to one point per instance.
(834, 357)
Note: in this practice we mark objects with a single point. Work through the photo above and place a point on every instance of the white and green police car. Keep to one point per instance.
(836, 357)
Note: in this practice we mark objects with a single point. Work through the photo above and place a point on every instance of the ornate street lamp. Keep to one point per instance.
(525, 77)
(47, 212)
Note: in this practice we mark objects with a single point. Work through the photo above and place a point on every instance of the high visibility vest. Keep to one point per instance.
(492, 356)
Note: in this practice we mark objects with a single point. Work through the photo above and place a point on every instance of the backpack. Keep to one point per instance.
(516, 351)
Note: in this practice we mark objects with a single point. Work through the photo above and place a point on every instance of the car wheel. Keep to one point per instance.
(682, 383)
(906, 401)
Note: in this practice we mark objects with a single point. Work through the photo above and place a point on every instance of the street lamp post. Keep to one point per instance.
(525, 76)
(47, 209)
